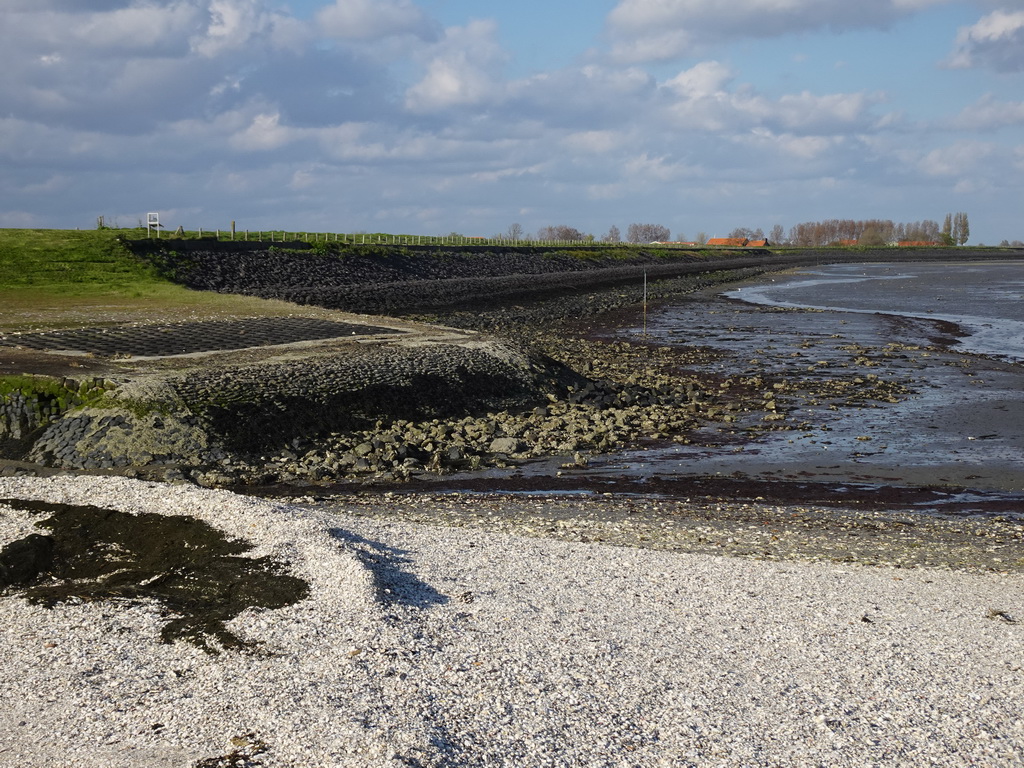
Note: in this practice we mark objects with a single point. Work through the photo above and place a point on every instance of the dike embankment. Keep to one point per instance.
(382, 397)
(384, 279)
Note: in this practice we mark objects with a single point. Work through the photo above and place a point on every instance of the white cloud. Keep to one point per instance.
(703, 80)
(302, 179)
(141, 28)
(501, 174)
(364, 143)
(234, 24)
(462, 69)
(239, 109)
(989, 114)
(68, 6)
(800, 147)
(605, 191)
(700, 100)
(594, 142)
(146, 61)
(371, 19)
(996, 41)
(265, 132)
(349, 142)
(661, 169)
(963, 158)
(660, 30)
(806, 111)
(144, 29)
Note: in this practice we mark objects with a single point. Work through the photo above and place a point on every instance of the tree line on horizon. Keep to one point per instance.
(635, 233)
(955, 230)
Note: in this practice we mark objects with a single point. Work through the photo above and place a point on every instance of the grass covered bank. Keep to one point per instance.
(55, 278)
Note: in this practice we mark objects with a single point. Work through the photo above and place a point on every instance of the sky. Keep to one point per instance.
(469, 116)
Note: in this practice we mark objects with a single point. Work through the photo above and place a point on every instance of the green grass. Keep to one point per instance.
(71, 262)
(58, 278)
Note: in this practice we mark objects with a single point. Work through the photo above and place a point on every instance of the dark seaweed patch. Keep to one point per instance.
(189, 566)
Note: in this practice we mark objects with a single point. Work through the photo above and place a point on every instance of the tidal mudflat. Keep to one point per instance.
(950, 439)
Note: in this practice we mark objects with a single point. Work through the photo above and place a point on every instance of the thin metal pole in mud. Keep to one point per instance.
(645, 303)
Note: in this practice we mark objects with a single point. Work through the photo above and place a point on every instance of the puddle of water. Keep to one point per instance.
(191, 568)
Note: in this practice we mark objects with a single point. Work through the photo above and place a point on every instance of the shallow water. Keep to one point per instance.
(984, 299)
(963, 426)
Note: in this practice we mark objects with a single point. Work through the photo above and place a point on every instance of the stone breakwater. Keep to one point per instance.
(223, 418)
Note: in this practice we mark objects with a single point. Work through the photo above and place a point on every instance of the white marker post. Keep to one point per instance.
(152, 222)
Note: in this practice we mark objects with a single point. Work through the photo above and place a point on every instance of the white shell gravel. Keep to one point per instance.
(431, 646)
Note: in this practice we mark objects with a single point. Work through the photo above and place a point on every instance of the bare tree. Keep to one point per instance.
(869, 232)
(742, 232)
(778, 235)
(515, 232)
(702, 238)
(613, 235)
(647, 233)
(559, 232)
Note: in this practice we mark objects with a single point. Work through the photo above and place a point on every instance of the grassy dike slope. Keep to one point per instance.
(53, 278)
